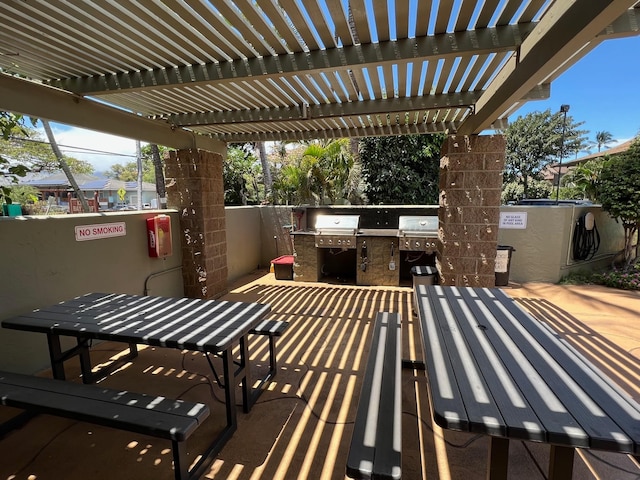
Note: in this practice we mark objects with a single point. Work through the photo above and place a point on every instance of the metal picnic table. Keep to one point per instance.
(494, 369)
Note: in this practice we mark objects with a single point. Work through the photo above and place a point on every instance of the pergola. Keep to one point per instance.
(285, 69)
(195, 75)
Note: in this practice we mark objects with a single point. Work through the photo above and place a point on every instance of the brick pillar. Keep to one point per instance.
(470, 185)
(195, 188)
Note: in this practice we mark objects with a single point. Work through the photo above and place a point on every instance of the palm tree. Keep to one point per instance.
(586, 178)
(331, 163)
(603, 139)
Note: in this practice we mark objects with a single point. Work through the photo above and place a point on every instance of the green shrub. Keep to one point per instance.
(623, 278)
(577, 278)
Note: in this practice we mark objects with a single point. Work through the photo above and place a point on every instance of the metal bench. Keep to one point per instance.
(159, 417)
(273, 329)
(376, 443)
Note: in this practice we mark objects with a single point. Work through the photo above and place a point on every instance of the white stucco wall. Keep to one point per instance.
(42, 263)
(543, 248)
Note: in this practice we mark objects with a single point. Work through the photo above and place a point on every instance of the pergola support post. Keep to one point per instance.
(470, 186)
(195, 188)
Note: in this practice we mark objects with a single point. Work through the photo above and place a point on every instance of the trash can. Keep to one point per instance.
(283, 267)
(503, 264)
(422, 275)
(11, 209)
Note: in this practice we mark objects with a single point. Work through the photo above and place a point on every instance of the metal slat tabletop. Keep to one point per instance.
(204, 325)
(495, 369)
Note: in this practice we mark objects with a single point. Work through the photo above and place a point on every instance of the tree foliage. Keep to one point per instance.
(23, 149)
(585, 179)
(128, 172)
(241, 173)
(321, 172)
(619, 193)
(401, 169)
(9, 170)
(536, 140)
(513, 192)
(27, 146)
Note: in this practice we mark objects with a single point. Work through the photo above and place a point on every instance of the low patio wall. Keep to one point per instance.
(544, 248)
(255, 236)
(42, 263)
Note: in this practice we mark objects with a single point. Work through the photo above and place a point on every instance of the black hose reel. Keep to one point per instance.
(586, 238)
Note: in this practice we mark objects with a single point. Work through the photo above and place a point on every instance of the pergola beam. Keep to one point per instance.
(41, 101)
(345, 109)
(308, 112)
(565, 29)
(371, 55)
(346, 132)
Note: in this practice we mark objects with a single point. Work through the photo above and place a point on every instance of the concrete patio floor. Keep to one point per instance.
(301, 426)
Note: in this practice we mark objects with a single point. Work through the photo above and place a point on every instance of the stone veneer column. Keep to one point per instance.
(195, 188)
(470, 185)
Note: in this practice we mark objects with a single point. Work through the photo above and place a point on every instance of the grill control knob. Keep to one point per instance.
(339, 242)
(417, 244)
(330, 241)
(406, 243)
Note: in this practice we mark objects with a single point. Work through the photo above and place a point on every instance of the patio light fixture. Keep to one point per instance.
(563, 109)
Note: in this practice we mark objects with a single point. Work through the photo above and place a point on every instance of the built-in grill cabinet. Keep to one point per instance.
(335, 239)
(418, 233)
(336, 231)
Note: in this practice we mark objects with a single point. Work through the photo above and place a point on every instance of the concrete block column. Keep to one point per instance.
(195, 188)
(469, 214)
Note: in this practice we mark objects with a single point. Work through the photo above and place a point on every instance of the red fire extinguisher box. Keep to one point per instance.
(159, 236)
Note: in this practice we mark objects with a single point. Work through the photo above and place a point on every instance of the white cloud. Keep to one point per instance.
(114, 148)
(618, 141)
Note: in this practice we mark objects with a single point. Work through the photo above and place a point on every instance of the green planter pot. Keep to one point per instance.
(11, 209)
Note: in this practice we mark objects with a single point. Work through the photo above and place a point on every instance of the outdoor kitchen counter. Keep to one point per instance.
(362, 232)
(378, 232)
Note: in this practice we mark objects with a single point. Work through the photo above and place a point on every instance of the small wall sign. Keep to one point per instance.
(502, 261)
(516, 220)
(101, 230)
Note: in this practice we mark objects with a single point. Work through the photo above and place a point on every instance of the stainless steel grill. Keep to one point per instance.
(417, 233)
(336, 231)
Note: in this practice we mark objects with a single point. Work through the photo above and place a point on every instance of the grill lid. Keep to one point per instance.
(417, 225)
(337, 224)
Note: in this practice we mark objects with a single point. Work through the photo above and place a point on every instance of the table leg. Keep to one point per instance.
(232, 419)
(85, 361)
(56, 356)
(273, 369)
(229, 387)
(498, 459)
(88, 375)
(245, 372)
(561, 462)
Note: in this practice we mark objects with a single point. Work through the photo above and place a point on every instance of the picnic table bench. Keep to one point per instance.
(494, 369)
(272, 329)
(376, 443)
(160, 417)
(213, 327)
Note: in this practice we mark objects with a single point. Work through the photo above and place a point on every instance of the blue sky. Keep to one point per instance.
(601, 89)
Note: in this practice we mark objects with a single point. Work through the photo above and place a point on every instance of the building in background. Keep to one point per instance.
(111, 193)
